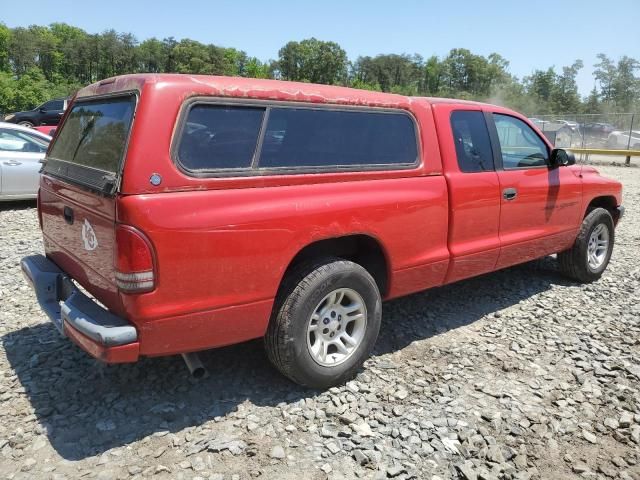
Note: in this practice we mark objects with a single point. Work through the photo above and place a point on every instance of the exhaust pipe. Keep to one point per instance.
(196, 369)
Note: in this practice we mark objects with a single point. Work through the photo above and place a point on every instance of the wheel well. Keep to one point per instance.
(608, 203)
(361, 249)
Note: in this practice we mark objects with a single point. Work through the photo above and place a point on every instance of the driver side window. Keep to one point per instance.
(521, 147)
(53, 105)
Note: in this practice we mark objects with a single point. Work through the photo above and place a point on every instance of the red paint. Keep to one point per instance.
(64, 245)
(474, 200)
(220, 246)
(549, 204)
(120, 354)
(46, 129)
(202, 330)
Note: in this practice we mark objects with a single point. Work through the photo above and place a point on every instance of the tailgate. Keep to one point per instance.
(78, 191)
(79, 236)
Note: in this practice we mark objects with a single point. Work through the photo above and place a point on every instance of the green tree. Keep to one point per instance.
(312, 60)
(392, 73)
(169, 44)
(152, 56)
(234, 62)
(42, 62)
(467, 75)
(564, 95)
(592, 104)
(7, 92)
(23, 50)
(432, 76)
(619, 85)
(73, 52)
(31, 89)
(254, 68)
(191, 57)
(540, 86)
(5, 43)
(626, 86)
(606, 74)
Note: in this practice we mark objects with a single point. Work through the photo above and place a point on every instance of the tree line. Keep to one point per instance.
(38, 63)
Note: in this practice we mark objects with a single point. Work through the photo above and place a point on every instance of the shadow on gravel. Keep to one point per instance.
(18, 205)
(88, 408)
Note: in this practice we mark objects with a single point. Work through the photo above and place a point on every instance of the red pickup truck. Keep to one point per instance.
(181, 213)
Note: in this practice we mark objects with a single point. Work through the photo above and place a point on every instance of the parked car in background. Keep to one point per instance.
(49, 113)
(596, 132)
(46, 129)
(21, 152)
(622, 140)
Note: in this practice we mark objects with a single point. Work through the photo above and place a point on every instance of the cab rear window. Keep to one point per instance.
(95, 133)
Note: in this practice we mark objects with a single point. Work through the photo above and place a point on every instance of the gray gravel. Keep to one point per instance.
(519, 374)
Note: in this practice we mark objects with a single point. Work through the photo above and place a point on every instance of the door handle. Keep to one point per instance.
(67, 213)
(510, 193)
(12, 163)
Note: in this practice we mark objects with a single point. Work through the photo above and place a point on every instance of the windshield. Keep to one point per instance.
(95, 133)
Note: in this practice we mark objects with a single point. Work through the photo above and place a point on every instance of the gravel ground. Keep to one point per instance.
(519, 374)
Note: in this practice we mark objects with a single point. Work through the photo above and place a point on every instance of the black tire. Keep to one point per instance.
(26, 123)
(574, 262)
(301, 292)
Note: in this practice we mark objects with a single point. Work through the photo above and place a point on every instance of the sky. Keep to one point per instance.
(534, 34)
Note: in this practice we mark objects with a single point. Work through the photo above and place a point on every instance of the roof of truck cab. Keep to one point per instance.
(454, 101)
(242, 87)
(193, 85)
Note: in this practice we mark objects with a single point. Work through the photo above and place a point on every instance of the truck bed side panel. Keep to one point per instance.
(229, 249)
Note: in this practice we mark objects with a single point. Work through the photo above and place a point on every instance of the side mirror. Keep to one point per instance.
(41, 110)
(561, 158)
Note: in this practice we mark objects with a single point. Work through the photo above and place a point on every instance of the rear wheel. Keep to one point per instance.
(591, 252)
(325, 322)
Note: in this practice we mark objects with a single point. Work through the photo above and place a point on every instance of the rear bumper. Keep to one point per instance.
(103, 335)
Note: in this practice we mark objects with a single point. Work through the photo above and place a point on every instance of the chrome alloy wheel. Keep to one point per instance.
(337, 327)
(598, 246)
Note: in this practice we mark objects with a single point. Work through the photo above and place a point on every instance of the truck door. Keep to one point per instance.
(474, 191)
(540, 206)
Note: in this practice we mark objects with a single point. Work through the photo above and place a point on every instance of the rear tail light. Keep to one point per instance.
(135, 270)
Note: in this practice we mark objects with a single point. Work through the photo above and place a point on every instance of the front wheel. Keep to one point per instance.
(591, 252)
(26, 123)
(325, 323)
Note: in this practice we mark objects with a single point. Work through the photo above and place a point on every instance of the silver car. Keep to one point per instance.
(623, 140)
(21, 150)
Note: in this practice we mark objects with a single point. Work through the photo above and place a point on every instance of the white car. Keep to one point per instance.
(620, 140)
(21, 152)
